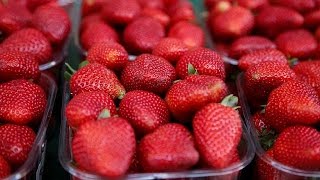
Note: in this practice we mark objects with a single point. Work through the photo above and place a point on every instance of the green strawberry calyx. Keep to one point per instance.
(105, 113)
(69, 72)
(230, 101)
(267, 138)
(83, 64)
(192, 69)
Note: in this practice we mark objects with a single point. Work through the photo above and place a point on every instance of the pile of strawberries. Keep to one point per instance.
(168, 110)
(267, 38)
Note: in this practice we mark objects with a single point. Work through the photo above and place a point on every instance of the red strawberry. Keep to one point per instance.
(15, 65)
(31, 41)
(87, 106)
(260, 79)
(5, 168)
(105, 147)
(148, 72)
(217, 130)
(293, 103)
(157, 14)
(297, 43)
(265, 55)
(191, 34)
(169, 148)
(248, 44)
(187, 96)
(309, 72)
(312, 19)
(92, 6)
(299, 5)
(260, 122)
(264, 170)
(33, 4)
(220, 7)
(171, 49)
(143, 34)
(223, 48)
(111, 55)
(155, 4)
(253, 5)
(200, 61)
(298, 146)
(87, 20)
(21, 102)
(144, 110)
(53, 22)
(15, 143)
(211, 3)
(235, 22)
(96, 77)
(282, 19)
(181, 11)
(121, 12)
(97, 32)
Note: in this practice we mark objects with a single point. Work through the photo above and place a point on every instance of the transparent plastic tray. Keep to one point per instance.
(285, 172)
(33, 165)
(245, 148)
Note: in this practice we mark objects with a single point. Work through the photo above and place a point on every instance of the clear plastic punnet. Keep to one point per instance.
(284, 172)
(32, 168)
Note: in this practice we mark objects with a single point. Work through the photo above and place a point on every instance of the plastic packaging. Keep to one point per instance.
(33, 166)
(284, 172)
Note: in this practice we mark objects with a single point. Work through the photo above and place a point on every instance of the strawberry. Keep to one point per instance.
(297, 43)
(33, 4)
(143, 34)
(87, 20)
(110, 54)
(31, 41)
(155, 4)
(92, 6)
(121, 12)
(260, 122)
(87, 106)
(191, 34)
(21, 102)
(219, 8)
(223, 48)
(264, 170)
(144, 110)
(15, 143)
(168, 148)
(234, 22)
(97, 32)
(53, 22)
(282, 19)
(171, 49)
(287, 105)
(260, 79)
(211, 3)
(265, 55)
(96, 77)
(15, 65)
(148, 72)
(217, 131)
(157, 14)
(253, 5)
(299, 5)
(5, 168)
(200, 61)
(312, 19)
(187, 96)
(298, 146)
(135, 166)
(105, 147)
(181, 11)
(309, 71)
(248, 44)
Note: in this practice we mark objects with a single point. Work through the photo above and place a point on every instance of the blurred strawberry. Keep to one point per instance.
(265, 171)
(253, 5)
(157, 14)
(299, 5)
(154, 4)
(211, 3)
(92, 6)
(5, 168)
(223, 48)
(219, 8)
(181, 11)
(312, 19)
(260, 122)
(87, 20)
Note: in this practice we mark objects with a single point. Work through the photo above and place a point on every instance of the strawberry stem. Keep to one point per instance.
(267, 138)
(67, 76)
(105, 113)
(69, 68)
(230, 101)
(192, 69)
(83, 64)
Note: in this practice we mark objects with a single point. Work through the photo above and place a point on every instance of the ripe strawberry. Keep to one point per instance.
(21, 102)
(299, 5)
(171, 49)
(97, 32)
(188, 96)
(31, 41)
(105, 147)
(211, 3)
(297, 43)
(16, 65)
(181, 11)
(144, 110)
(110, 54)
(148, 72)
(15, 143)
(222, 48)
(265, 55)
(191, 34)
(5, 168)
(264, 170)
(312, 19)
(53, 22)
(282, 19)
(298, 146)
(253, 5)
(219, 8)
(92, 6)
(96, 77)
(155, 4)
(87, 106)
(309, 71)
(143, 34)
(200, 61)
(157, 14)
(217, 130)
(235, 22)
(248, 44)
(87, 20)
(260, 122)
(121, 12)
(168, 148)
(33, 4)
(287, 105)
(260, 79)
